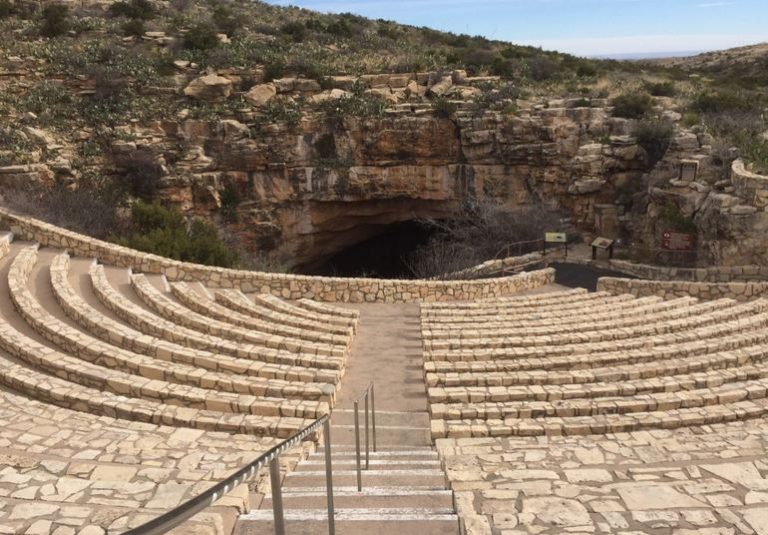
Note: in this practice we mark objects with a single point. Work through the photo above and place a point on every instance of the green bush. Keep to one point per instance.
(226, 21)
(133, 28)
(676, 220)
(632, 105)
(443, 108)
(691, 118)
(662, 89)
(202, 36)
(654, 136)
(721, 101)
(133, 9)
(273, 71)
(163, 231)
(7, 8)
(325, 146)
(55, 20)
(230, 200)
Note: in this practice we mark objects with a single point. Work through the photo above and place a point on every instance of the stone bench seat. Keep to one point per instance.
(645, 366)
(328, 310)
(184, 360)
(101, 365)
(629, 387)
(602, 424)
(619, 311)
(575, 294)
(237, 301)
(596, 354)
(331, 316)
(154, 325)
(191, 299)
(586, 323)
(621, 304)
(750, 388)
(534, 312)
(161, 304)
(513, 339)
(73, 395)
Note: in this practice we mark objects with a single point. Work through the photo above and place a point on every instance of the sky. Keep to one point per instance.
(583, 27)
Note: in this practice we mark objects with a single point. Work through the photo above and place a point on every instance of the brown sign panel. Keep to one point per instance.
(602, 243)
(677, 241)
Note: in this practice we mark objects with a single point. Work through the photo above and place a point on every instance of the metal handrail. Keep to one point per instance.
(188, 509)
(368, 393)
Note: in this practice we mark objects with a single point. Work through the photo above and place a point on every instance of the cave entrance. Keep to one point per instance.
(381, 256)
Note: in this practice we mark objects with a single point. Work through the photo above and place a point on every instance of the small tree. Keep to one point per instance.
(55, 20)
(202, 36)
(654, 136)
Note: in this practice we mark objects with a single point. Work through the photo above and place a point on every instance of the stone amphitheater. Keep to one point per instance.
(133, 383)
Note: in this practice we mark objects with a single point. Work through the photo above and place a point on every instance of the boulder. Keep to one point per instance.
(211, 88)
(586, 186)
(333, 94)
(259, 95)
(441, 87)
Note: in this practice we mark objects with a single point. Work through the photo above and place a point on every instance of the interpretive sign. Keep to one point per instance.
(555, 237)
(602, 243)
(677, 241)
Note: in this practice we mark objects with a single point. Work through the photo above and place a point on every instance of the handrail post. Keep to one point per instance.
(367, 461)
(277, 495)
(373, 416)
(329, 477)
(357, 449)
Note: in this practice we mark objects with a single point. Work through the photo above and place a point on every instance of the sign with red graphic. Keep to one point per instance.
(677, 241)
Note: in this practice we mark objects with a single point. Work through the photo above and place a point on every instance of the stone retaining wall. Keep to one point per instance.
(330, 289)
(707, 291)
(750, 186)
(710, 274)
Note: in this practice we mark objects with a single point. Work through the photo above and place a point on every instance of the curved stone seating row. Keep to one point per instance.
(620, 311)
(529, 311)
(602, 424)
(627, 387)
(169, 309)
(328, 310)
(59, 390)
(184, 360)
(591, 354)
(510, 339)
(237, 301)
(666, 311)
(335, 317)
(100, 365)
(191, 299)
(329, 369)
(647, 364)
(577, 294)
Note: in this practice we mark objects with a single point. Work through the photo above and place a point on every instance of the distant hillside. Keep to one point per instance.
(747, 65)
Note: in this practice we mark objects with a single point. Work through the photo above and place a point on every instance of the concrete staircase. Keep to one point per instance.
(404, 488)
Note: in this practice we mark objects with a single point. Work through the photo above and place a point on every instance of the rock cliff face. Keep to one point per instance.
(310, 190)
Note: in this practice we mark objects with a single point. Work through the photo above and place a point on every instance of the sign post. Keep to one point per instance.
(556, 237)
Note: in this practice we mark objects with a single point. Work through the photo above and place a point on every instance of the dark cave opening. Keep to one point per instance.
(381, 256)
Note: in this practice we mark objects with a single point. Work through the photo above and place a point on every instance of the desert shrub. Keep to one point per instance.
(654, 136)
(478, 234)
(133, 9)
(295, 30)
(139, 173)
(542, 68)
(325, 146)
(661, 89)
(133, 28)
(691, 118)
(632, 105)
(230, 200)
(443, 108)
(164, 231)
(274, 71)
(583, 103)
(720, 101)
(7, 8)
(202, 36)
(674, 219)
(48, 100)
(353, 106)
(90, 208)
(226, 21)
(55, 20)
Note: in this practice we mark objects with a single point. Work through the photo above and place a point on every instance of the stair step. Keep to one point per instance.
(369, 525)
(391, 464)
(370, 491)
(388, 418)
(385, 436)
(382, 455)
(370, 478)
(383, 514)
(357, 500)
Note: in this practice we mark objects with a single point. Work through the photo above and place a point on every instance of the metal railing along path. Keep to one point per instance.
(367, 395)
(177, 516)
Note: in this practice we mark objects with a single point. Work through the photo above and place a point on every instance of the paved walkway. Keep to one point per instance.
(405, 488)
